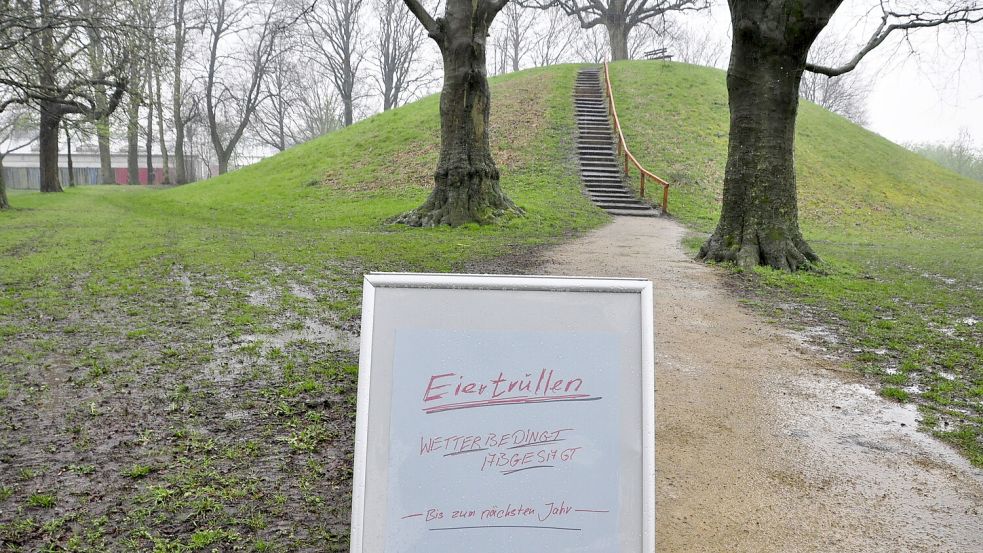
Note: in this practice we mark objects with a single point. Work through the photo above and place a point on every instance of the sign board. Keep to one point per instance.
(500, 413)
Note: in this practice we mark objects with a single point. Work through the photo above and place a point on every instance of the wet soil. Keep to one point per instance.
(764, 444)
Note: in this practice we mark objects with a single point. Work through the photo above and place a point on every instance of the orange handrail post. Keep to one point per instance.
(623, 147)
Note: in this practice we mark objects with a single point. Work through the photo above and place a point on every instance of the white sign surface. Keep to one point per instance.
(504, 412)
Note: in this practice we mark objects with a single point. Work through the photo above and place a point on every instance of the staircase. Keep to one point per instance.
(599, 168)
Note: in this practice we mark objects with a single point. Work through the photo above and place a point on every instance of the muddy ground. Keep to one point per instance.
(202, 413)
(762, 444)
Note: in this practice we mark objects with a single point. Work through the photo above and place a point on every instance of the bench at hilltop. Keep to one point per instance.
(658, 54)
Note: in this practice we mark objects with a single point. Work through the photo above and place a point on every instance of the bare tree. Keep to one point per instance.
(180, 18)
(959, 155)
(466, 181)
(13, 124)
(555, 39)
(318, 113)
(845, 94)
(401, 72)
(234, 76)
(281, 87)
(759, 222)
(516, 34)
(592, 46)
(97, 54)
(335, 26)
(46, 66)
(690, 46)
(619, 17)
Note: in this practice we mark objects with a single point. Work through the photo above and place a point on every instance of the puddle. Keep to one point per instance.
(818, 339)
(302, 292)
(313, 331)
(262, 298)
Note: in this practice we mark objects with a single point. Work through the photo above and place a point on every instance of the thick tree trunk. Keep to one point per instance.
(467, 188)
(48, 148)
(759, 222)
(223, 164)
(617, 38)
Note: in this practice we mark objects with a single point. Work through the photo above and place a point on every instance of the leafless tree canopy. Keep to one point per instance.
(846, 94)
(335, 28)
(235, 76)
(902, 18)
(620, 17)
(45, 64)
(401, 70)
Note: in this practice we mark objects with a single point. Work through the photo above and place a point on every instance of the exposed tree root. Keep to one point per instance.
(461, 198)
(778, 251)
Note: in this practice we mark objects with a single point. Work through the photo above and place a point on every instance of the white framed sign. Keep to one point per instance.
(504, 413)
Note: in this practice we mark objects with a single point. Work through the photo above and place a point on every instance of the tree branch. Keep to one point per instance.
(967, 15)
(424, 17)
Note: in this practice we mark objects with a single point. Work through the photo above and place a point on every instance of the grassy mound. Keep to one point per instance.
(177, 369)
(901, 237)
(176, 366)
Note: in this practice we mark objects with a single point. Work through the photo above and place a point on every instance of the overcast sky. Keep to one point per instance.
(927, 96)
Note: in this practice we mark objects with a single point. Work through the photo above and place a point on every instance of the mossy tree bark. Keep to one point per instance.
(466, 181)
(759, 221)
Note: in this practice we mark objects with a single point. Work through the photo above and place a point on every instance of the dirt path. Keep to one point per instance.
(762, 446)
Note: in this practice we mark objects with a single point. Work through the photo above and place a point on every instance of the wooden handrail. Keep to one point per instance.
(623, 147)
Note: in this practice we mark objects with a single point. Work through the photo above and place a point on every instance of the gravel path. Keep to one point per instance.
(762, 445)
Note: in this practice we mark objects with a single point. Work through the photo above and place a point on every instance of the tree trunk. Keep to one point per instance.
(223, 163)
(759, 222)
(106, 173)
(4, 204)
(159, 104)
(349, 109)
(68, 150)
(180, 171)
(467, 188)
(617, 38)
(133, 141)
(48, 148)
(151, 177)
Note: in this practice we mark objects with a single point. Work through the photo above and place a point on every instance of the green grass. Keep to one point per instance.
(190, 349)
(189, 344)
(901, 238)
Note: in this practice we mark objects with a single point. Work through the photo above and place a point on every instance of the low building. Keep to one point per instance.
(21, 169)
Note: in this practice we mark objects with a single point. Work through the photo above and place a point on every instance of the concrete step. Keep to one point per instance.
(611, 195)
(614, 186)
(593, 157)
(613, 173)
(604, 186)
(634, 206)
(588, 161)
(605, 142)
(632, 213)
